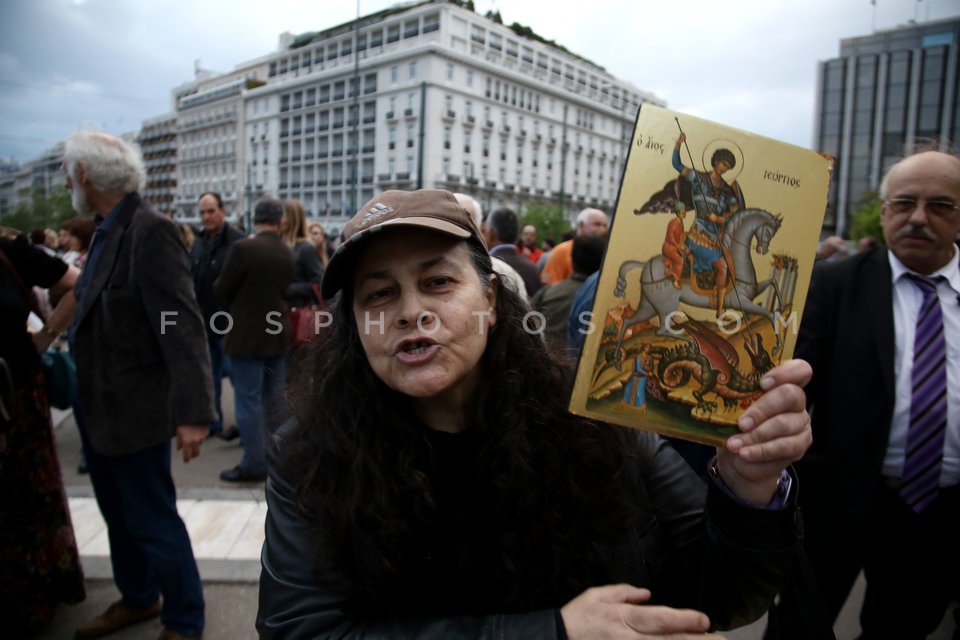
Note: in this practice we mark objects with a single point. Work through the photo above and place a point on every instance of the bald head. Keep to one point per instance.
(592, 222)
(920, 218)
(472, 206)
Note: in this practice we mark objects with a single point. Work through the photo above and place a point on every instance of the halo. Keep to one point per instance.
(734, 148)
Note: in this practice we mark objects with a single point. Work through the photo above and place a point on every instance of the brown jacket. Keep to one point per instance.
(254, 281)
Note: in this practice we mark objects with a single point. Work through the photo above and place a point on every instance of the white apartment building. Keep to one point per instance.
(426, 96)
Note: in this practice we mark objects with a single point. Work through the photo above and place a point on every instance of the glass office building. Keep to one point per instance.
(886, 94)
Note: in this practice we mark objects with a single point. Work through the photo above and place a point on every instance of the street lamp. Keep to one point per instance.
(251, 176)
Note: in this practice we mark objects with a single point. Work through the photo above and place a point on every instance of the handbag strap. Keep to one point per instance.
(316, 293)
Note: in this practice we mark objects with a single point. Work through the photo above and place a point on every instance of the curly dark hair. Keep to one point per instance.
(723, 154)
(550, 485)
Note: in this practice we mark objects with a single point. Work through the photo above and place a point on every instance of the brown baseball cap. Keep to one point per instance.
(433, 209)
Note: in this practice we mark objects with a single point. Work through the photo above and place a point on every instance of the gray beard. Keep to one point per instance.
(78, 199)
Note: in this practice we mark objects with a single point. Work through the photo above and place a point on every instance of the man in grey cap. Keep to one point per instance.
(254, 281)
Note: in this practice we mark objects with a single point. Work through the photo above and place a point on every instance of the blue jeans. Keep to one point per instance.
(219, 367)
(149, 546)
(258, 387)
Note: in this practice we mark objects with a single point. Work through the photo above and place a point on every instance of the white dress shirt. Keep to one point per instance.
(907, 298)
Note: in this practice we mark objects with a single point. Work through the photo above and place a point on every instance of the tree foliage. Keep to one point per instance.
(40, 211)
(548, 219)
(866, 219)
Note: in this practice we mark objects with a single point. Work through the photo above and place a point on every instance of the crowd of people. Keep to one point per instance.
(423, 476)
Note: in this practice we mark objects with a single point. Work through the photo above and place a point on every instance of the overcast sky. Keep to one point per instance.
(112, 63)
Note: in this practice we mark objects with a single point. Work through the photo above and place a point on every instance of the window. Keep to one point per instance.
(393, 73)
(411, 28)
(393, 33)
(449, 71)
(413, 70)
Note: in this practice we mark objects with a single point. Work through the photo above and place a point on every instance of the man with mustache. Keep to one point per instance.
(881, 483)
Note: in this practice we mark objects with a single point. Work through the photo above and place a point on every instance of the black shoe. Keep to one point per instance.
(239, 475)
(82, 467)
(229, 434)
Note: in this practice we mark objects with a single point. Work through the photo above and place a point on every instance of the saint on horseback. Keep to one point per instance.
(715, 202)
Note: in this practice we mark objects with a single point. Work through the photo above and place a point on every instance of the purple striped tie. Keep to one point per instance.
(920, 481)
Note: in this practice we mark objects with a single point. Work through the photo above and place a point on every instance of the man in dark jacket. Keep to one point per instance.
(254, 281)
(500, 231)
(206, 257)
(144, 377)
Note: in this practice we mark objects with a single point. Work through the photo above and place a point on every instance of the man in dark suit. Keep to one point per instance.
(500, 231)
(254, 281)
(207, 255)
(864, 500)
(144, 377)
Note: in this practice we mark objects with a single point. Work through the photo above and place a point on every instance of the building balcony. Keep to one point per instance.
(391, 115)
(408, 113)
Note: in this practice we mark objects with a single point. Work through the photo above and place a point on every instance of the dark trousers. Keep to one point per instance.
(219, 367)
(149, 546)
(910, 563)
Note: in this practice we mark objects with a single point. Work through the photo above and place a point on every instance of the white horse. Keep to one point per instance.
(659, 296)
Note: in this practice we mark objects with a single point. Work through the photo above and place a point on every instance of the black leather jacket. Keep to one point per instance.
(701, 549)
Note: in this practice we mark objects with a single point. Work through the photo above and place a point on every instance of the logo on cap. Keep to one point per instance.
(376, 211)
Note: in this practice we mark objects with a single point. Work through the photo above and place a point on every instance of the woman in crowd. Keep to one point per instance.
(78, 232)
(39, 563)
(308, 270)
(319, 238)
(433, 484)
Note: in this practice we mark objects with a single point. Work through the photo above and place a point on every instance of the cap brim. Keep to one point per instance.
(338, 266)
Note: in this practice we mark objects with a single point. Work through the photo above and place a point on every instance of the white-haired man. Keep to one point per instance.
(144, 377)
(559, 266)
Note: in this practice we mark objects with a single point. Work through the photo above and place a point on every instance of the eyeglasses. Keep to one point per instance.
(906, 206)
